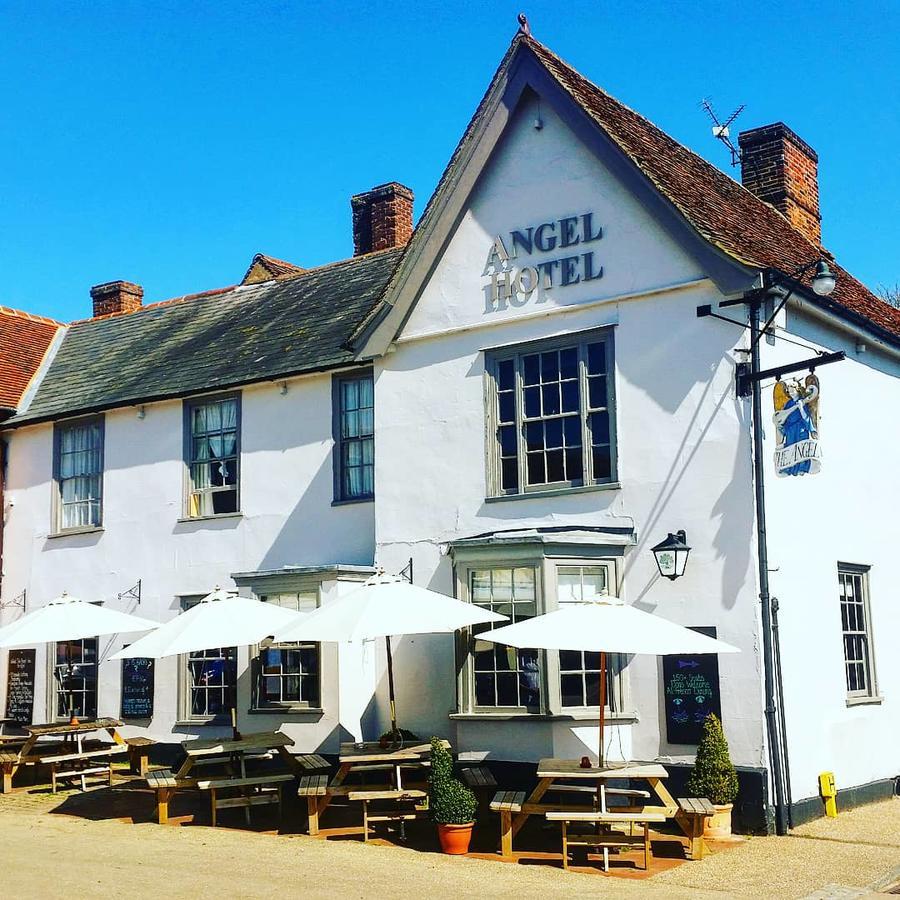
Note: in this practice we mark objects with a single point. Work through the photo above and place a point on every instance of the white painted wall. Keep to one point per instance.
(845, 513)
(287, 519)
(683, 440)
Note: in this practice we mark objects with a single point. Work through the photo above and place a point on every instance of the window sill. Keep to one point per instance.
(296, 712)
(69, 532)
(353, 501)
(865, 701)
(213, 518)
(212, 722)
(624, 718)
(557, 492)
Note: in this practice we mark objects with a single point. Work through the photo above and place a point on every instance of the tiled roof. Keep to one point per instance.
(220, 339)
(724, 212)
(24, 340)
(264, 268)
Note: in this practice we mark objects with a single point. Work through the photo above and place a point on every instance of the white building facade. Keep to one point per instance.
(525, 406)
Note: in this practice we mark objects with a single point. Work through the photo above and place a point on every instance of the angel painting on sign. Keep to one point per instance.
(797, 421)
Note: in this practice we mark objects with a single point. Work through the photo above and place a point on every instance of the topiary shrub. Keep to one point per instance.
(713, 775)
(449, 800)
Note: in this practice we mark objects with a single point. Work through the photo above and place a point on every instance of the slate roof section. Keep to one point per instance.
(24, 341)
(724, 212)
(221, 339)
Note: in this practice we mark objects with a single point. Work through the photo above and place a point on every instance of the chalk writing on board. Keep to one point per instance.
(20, 686)
(137, 688)
(691, 693)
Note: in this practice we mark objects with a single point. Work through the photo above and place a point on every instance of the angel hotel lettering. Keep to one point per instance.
(514, 285)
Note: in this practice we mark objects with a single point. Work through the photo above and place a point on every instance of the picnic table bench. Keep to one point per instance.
(691, 816)
(232, 753)
(402, 799)
(68, 752)
(601, 834)
(362, 759)
(81, 764)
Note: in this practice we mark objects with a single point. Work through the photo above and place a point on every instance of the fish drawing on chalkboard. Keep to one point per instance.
(688, 664)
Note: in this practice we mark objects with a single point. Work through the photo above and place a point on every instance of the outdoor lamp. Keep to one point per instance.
(823, 281)
(671, 555)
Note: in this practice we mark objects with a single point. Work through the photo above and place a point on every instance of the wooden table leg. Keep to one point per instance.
(212, 794)
(312, 812)
(163, 795)
(7, 776)
(506, 833)
(536, 795)
(565, 847)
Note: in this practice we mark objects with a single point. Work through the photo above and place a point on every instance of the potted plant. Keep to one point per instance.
(714, 777)
(452, 804)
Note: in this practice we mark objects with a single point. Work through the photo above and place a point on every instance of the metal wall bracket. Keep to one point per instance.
(133, 593)
(16, 602)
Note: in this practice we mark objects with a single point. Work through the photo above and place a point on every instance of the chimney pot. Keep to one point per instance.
(782, 169)
(382, 218)
(116, 297)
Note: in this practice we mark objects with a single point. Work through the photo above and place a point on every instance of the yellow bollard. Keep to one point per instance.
(829, 794)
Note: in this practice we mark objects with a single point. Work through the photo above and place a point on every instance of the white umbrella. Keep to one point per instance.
(383, 606)
(220, 619)
(606, 624)
(67, 618)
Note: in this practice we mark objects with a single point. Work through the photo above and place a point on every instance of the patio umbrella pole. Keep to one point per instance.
(72, 719)
(390, 667)
(602, 703)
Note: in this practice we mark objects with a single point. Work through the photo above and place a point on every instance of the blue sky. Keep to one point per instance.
(166, 143)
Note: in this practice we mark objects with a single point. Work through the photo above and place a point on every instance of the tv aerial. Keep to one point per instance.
(722, 130)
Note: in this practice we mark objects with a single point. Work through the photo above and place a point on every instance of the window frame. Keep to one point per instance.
(256, 672)
(57, 502)
(870, 693)
(492, 360)
(618, 706)
(185, 714)
(188, 407)
(338, 379)
(53, 686)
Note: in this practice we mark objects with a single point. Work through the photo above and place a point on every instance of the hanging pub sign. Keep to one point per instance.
(796, 418)
(563, 260)
(20, 686)
(137, 688)
(690, 692)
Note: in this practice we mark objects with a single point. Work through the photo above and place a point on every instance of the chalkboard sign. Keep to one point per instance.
(137, 688)
(20, 686)
(691, 692)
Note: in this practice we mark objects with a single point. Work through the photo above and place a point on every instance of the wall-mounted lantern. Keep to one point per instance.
(672, 554)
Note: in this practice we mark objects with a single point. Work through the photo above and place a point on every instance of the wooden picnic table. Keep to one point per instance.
(366, 757)
(554, 775)
(68, 748)
(231, 753)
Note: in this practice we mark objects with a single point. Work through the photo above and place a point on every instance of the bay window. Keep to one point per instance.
(500, 680)
(288, 675)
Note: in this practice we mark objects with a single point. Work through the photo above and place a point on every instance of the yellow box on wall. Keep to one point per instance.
(828, 790)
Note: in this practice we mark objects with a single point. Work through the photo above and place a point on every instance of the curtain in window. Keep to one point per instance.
(80, 475)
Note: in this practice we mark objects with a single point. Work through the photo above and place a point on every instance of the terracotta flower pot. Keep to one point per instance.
(455, 838)
(719, 825)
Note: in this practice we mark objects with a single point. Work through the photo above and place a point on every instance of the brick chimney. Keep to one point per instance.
(782, 169)
(382, 218)
(116, 297)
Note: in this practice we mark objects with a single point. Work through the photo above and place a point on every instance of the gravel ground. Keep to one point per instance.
(48, 855)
